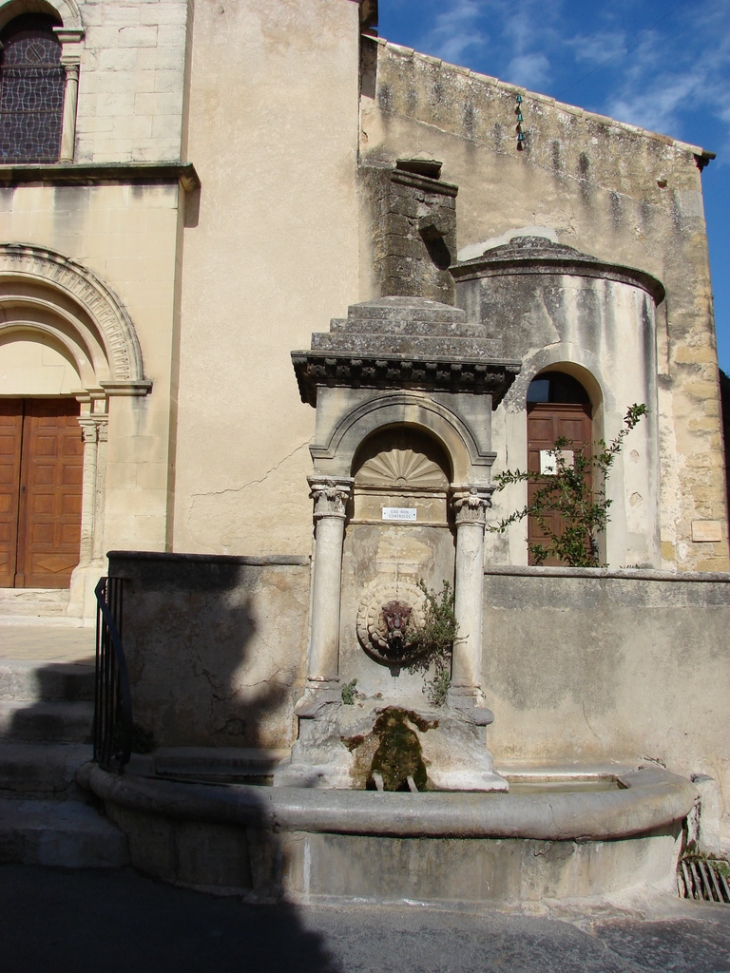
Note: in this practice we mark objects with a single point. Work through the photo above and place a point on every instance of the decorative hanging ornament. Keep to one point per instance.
(518, 129)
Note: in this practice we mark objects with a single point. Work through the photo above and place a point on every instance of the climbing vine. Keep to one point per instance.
(567, 491)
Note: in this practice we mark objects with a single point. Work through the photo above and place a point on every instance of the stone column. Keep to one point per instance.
(90, 433)
(330, 495)
(71, 91)
(101, 451)
(470, 507)
(94, 430)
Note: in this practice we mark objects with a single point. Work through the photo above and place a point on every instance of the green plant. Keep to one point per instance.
(348, 693)
(568, 492)
(430, 646)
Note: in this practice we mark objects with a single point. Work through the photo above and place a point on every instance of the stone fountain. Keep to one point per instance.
(404, 389)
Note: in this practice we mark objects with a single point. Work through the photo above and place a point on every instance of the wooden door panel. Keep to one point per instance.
(547, 422)
(11, 432)
(51, 487)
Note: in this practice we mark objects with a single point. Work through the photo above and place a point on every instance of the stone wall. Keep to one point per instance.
(613, 190)
(593, 665)
(215, 645)
(132, 80)
(414, 231)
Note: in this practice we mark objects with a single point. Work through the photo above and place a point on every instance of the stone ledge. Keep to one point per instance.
(298, 560)
(651, 798)
(89, 174)
(619, 574)
(398, 372)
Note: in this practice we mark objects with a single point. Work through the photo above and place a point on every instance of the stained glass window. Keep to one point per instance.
(31, 91)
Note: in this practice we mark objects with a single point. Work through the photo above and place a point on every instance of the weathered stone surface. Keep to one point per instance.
(598, 665)
(501, 848)
(215, 646)
(625, 195)
(404, 342)
(414, 229)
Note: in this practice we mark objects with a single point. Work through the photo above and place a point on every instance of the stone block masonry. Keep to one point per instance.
(132, 81)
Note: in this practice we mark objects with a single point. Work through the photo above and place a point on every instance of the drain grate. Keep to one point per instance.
(704, 880)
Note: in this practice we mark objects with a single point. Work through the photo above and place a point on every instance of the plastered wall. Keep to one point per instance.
(273, 134)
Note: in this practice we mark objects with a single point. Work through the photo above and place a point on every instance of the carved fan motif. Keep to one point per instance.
(401, 468)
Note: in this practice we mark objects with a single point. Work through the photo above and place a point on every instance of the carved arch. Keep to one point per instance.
(66, 10)
(469, 461)
(564, 357)
(44, 292)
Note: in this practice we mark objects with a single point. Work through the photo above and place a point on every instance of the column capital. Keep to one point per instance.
(330, 495)
(471, 504)
(71, 67)
(94, 428)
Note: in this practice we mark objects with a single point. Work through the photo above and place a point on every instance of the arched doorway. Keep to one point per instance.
(557, 406)
(67, 349)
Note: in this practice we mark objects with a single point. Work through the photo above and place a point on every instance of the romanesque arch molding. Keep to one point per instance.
(469, 458)
(67, 10)
(44, 292)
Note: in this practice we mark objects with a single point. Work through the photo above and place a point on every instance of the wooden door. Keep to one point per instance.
(11, 437)
(546, 422)
(40, 504)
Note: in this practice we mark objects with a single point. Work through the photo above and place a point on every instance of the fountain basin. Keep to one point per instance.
(452, 849)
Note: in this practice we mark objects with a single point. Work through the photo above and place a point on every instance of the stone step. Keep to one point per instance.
(46, 722)
(28, 603)
(41, 770)
(31, 681)
(61, 834)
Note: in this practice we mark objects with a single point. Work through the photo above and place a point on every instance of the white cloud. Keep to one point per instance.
(597, 48)
(528, 70)
(455, 30)
(658, 107)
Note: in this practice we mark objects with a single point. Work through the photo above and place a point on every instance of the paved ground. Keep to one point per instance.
(46, 643)
(79, 922)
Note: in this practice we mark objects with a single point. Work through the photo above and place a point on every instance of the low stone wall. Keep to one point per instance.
(215, 645)
(595, 665)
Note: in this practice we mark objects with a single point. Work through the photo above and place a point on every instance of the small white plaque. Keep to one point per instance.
(399, 513)
(547, 460)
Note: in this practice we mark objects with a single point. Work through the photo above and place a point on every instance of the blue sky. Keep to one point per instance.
(661, 64)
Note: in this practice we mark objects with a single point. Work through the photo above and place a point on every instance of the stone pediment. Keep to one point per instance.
(404, 342)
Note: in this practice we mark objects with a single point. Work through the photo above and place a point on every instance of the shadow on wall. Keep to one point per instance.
(725, 400)
(206, 652)
(215, 646)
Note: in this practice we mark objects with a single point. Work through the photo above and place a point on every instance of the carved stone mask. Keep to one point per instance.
(396, 615)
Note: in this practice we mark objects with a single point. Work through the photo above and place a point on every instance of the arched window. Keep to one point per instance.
(557, 406)
(31, 90)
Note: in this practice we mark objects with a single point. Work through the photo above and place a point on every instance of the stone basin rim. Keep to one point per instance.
(653, 799)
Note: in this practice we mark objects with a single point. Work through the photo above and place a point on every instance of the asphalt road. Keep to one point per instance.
(109, 921)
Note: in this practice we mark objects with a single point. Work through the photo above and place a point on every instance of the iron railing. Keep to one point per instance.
(112, 696)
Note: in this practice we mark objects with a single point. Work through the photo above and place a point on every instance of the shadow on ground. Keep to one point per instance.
(83, 921)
